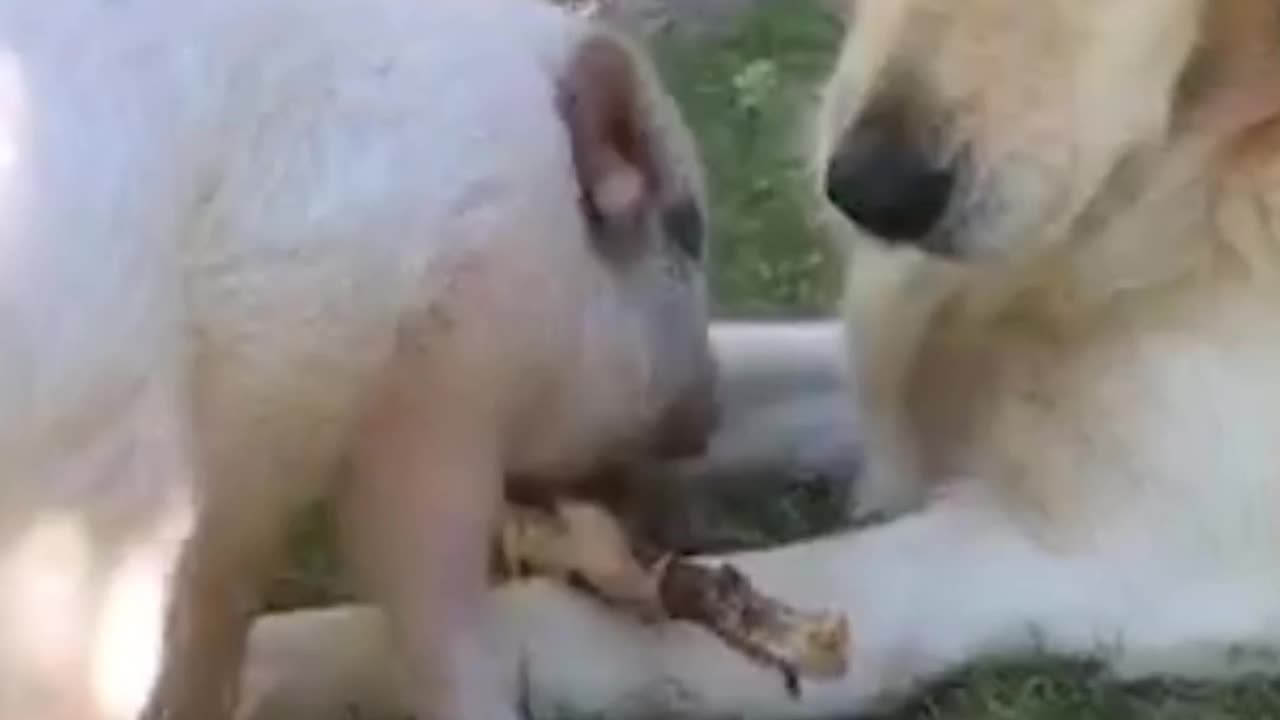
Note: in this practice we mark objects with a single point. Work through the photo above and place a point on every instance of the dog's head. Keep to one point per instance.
(986, 128)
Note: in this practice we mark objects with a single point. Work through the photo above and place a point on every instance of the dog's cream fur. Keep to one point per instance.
(455, 241)
(1074, 423)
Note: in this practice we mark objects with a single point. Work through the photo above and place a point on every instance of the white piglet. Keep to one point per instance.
(242, 241)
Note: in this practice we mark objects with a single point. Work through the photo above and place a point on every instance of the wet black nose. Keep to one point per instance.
(887, 184)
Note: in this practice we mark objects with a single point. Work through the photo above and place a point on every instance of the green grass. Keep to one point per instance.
(1049, 690)
(748, 91)
(748, 94)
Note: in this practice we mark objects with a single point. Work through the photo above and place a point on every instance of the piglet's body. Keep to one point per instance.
(244, 240)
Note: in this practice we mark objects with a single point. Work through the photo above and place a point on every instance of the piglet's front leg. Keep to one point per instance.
(417, 522)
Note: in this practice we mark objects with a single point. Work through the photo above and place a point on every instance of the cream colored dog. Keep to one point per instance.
(456, 241)
(1064, 331)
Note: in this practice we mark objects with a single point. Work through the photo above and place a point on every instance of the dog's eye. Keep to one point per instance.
(683, 224)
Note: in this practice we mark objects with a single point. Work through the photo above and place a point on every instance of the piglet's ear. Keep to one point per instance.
(613, 155)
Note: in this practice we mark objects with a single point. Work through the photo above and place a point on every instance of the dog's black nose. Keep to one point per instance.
(887, 184)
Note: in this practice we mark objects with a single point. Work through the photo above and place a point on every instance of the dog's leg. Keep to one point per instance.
(888, 308)
(925, 594)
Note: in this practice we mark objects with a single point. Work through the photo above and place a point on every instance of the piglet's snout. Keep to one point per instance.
(685, 428)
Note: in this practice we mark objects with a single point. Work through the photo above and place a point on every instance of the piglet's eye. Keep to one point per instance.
(683, 224)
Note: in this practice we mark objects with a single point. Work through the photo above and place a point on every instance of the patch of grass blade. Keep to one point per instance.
(748, 95)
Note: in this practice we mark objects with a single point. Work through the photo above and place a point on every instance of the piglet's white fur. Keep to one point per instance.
(241, 240)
